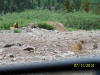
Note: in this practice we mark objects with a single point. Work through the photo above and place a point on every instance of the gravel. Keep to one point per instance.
(46, 45)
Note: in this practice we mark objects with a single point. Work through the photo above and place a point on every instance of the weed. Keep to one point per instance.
(16, 31)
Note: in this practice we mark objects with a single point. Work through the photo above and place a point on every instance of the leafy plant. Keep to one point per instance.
(70, 7)
(46, 26)
(85, 5)
(97, 11)
(16, 31)
(67, 5)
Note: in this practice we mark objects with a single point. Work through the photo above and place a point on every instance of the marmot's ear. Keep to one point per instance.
(17, 22)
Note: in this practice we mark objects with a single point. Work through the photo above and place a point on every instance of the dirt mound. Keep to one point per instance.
(58, 26)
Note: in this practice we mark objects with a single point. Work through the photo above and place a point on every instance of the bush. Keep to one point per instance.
(67, 5)
(16, 31)
(70, 7)
(46, 26)
(85, 5)
(97, 11)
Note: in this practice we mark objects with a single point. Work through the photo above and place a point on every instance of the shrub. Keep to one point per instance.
(67, 5)
(85, 5)
(97, 11)
(16, 31)
(70, 7)
(46, 26)
(73, 7)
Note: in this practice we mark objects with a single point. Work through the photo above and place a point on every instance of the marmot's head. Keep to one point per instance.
(16, 22)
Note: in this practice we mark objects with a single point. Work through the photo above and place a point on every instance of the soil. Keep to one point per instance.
(39, 45)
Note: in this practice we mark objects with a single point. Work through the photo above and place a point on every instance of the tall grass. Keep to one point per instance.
(77, 20)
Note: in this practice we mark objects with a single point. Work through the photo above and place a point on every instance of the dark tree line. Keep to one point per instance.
(20, 5)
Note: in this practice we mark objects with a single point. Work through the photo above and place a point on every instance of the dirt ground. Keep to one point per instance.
(45, 45)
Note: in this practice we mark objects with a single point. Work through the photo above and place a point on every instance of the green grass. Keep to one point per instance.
(16, 31)
(72, 21)
(46, 26)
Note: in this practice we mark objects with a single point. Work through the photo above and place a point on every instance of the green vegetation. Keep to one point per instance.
(28, 16)
(85, 6)
(76, 20)
(40, 11)
(70, 7)
(46, 26)
(16, 31)
(20, 5)
(83, 20)
(67, 5)
(97, 11)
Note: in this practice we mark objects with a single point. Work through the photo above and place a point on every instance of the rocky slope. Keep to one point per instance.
(37, 45)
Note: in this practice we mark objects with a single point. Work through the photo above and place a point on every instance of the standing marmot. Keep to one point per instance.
(15, 25)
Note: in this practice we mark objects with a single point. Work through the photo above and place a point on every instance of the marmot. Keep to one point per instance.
(15, 25)
(77, 47)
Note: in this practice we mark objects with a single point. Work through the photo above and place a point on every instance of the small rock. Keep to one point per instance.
(14, 59)
(10, 55)
(64, 55)
(29, 49)
(18, 44)
(1, 50)
(71, 53)
(95, 46)
(28, 30)
(32, 25)
(1, 57)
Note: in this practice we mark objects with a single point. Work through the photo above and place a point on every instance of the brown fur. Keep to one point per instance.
(58, 26)
(15, 25)
(77, 47)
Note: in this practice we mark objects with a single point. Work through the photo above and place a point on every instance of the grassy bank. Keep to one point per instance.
(77, 20)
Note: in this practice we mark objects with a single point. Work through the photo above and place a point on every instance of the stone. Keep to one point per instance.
(95, 46)
(1, 57)
(18, 44)
(1, 50)
(29, 49)
(32, 25)
(14, 59)
(10, 55)
(8, 45)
